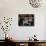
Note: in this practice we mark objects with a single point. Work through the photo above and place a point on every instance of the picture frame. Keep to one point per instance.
(26, 19)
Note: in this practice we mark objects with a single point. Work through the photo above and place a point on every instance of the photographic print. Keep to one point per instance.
(26, 19)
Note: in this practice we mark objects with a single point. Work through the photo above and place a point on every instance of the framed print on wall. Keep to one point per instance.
(26, 19)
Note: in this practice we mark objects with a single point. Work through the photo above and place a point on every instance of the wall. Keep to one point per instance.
(11, 8)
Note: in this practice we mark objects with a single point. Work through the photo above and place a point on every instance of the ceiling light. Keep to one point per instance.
(36, 3)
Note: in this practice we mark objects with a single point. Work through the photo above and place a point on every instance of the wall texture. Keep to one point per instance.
(11, 8)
